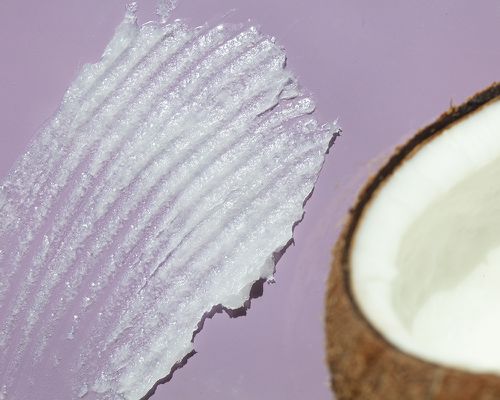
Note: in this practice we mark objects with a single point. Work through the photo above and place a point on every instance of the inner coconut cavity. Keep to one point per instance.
(425, 260)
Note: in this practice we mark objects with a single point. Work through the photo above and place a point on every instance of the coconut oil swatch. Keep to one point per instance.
(173, 171)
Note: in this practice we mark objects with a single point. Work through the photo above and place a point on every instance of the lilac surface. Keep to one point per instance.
(385, 68)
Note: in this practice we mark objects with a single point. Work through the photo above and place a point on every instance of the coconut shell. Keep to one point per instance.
(363, 364)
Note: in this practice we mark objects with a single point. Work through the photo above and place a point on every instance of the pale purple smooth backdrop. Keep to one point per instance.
(385, 68)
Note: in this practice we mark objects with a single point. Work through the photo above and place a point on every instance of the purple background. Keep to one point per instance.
(386, 68)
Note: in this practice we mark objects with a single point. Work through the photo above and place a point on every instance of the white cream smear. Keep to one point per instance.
(171, 175)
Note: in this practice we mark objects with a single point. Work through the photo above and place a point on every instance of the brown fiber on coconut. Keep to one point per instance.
(363, 362)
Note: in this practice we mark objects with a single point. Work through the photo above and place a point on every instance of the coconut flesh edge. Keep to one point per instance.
(425, 257)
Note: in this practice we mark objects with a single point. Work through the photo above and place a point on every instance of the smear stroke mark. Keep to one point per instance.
(171, 174)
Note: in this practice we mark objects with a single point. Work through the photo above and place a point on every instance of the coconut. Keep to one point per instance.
(412, 302)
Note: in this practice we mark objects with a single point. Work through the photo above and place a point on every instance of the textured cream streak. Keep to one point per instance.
(173, 171)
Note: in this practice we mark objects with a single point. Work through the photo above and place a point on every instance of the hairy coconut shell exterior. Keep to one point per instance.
(363, 364)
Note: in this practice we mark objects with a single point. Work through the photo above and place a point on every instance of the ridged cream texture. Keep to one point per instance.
(173, 171)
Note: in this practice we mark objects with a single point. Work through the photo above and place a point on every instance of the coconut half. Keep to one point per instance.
(413, 303)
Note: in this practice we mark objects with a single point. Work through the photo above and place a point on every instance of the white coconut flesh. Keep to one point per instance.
(425, 258)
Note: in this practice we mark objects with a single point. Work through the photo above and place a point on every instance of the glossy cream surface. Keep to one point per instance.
(171, 175)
